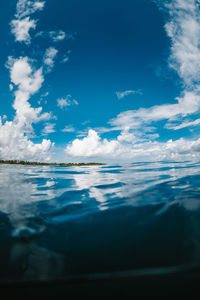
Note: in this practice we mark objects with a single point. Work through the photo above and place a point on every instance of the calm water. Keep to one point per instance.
(100, 221)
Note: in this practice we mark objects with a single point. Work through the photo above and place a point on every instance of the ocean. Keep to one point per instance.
(101, 224)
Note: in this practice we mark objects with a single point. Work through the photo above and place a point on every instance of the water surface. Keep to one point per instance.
(98, 221)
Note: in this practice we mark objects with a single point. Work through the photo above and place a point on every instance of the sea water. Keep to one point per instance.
(98, 221)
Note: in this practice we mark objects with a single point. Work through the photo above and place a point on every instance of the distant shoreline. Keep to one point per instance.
(21, 162)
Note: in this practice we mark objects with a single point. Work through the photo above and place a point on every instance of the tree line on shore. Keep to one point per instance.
(22, 162)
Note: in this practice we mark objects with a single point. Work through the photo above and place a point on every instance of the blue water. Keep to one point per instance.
(98, 221)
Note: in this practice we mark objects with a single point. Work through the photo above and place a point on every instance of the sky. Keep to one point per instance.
(104, 81)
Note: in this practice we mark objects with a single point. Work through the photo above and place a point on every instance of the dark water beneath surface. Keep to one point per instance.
(101, 221)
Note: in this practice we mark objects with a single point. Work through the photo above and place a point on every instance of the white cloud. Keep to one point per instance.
(14, 140)
(91, 146)
(121, 95)
(127, 150)
(23, 76)
(49, 128)
(14, 144)
(126, 136)
(68, 128)
(21, 27)
(67, 101)
(186, 105)
(29, 82)
(15, 135)
(65, 57)
(184, 31)
(25, 8)
(43, 98)
(62, 103)
(49, 58)
(184, 124)
(10, 87)
(57, 35)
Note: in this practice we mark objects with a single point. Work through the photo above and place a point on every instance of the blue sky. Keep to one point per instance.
(100, 80)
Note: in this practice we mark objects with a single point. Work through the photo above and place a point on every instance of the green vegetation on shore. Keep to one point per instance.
(21, 162)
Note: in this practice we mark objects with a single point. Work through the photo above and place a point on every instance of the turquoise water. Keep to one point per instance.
(98, 221)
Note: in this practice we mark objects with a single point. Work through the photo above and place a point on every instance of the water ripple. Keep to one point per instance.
(57, 222)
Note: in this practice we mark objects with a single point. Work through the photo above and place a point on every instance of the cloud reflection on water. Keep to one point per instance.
(40, 203)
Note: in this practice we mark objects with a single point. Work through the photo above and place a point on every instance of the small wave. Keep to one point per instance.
(142, 217)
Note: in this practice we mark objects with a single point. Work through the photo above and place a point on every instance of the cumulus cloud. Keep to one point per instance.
(23, 75)
(28, 82)
(66, 102)
(91, 146)
(121, 95)
(125, 149)
(14, 144)
(21, 26)
(25, 81)
(14, 135)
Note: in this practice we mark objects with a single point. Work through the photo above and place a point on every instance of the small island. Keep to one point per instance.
(21, 162)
